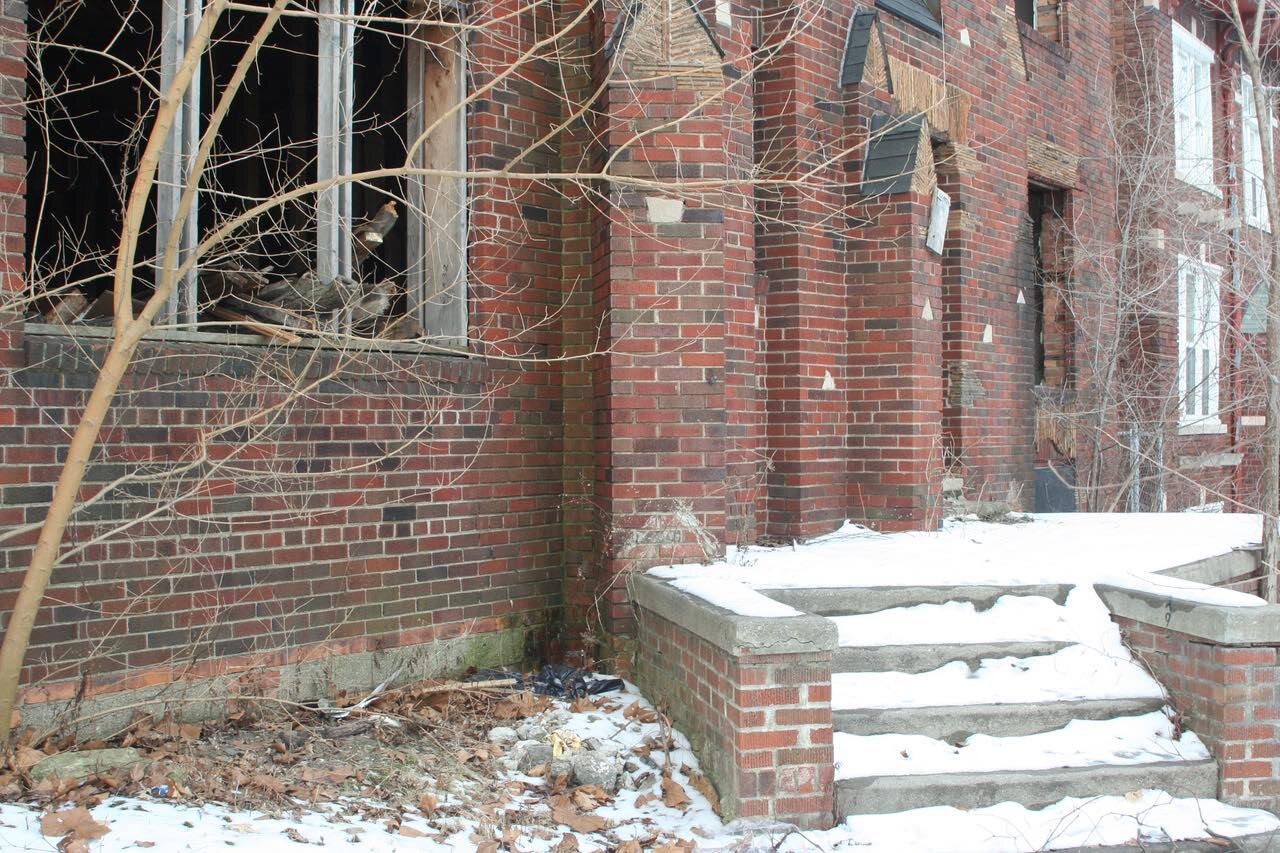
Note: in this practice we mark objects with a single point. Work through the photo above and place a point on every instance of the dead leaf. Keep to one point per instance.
(704, 787)
(71, 844)
(428, 803)
(646, 798)
(568, 844)
(410, 832)
(587, 797)
(674, 794)
(636, 711)
(77, 820)
(582, 704)
(24, 758)
(629, 846)
(578, 822)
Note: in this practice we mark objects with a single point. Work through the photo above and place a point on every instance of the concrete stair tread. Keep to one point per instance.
(953, 723)
(846, 601)
(1073, 673)
(1032, 788)
(1133, 739)
(916, 658)
(1009, 619)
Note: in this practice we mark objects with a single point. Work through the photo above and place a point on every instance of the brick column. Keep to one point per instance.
(895, 384)
(660, 303)
(799, 251)
(752, 694)
(1219, 665)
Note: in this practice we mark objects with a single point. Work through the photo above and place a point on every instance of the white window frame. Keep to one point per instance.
(1199, 294)
(1253, 196)
(440, 306)
(1193, 111)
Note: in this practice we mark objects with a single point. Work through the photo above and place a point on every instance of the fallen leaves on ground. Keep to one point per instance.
(674, 794)
(69, 821)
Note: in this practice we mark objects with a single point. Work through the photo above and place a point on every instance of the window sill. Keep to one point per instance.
(1204, 426)
(1209, 189)
(443, 348)
(60, 357)
(1258, 225)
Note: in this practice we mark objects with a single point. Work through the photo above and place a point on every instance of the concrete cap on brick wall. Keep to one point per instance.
(729, 631)
(1227, 626)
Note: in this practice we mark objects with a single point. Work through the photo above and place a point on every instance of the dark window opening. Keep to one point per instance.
(1052, 337)
(335, 261)
(1026, 11)
(83, 139)
(926, 14)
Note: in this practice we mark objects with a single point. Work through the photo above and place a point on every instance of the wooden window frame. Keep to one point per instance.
(1199, 295)
(1193, 110)
(439, 305)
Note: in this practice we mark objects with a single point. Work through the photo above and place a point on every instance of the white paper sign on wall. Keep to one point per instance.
(938, 221)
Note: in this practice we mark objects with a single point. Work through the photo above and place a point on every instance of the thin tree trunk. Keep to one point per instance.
(128, 332)
(1251, 39)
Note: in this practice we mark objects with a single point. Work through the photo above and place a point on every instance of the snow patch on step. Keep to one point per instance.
(1123, 549)
(1140, 739)
(1074, 673)
(1013, 618)
(1148, 816)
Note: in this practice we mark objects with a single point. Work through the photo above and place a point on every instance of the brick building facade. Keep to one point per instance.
(701, 309)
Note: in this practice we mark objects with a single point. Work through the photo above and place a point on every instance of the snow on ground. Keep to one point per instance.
(166, 825)
(1140, 739)
(1120, 549)
(1148, 816)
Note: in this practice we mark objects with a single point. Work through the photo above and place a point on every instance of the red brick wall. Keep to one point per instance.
(760, 724)
(344, 551)
(1228, 696)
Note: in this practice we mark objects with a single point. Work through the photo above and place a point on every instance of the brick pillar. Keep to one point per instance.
(752, 694)
(1228, 694)
(800, 252)
(895, 385)
(13, 209)
(660, 298)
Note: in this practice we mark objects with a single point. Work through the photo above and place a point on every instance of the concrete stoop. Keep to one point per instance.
(954, 723)
(778, 706)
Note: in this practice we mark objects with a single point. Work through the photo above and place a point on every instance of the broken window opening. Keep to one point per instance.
(385, 257)
(1052, 336)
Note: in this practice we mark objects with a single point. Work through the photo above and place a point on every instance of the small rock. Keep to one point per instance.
(81, 765)
(596, 768)
(559, 767)
(531, 731)
(503, 735)
(294, 739)
(608, 747)
(533, 755)
(555, 718)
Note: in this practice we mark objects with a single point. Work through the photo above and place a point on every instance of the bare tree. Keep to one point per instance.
(222, 219)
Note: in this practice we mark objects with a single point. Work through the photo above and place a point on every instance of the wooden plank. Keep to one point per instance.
(254, 325)
(441, 243)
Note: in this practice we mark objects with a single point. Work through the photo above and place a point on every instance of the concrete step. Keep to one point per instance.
(927, 657)
(954, 723)
(851, 601)
(1032, 788)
